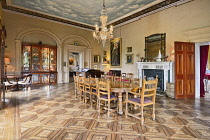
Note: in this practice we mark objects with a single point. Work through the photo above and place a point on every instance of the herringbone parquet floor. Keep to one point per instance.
(52, 113)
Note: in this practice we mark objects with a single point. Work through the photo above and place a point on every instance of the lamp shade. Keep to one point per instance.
(105, 63)
(7, 61)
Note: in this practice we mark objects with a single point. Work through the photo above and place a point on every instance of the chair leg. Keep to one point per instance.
(97, 102)
(108, 113)
(126, 109)
(85, 97)
(99, 107)
(142, 115)
(75, 93)
(91, 101)
(153, 112)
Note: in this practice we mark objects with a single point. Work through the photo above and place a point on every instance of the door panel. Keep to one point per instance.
(180, 88)
(184, 70)
(180, 62)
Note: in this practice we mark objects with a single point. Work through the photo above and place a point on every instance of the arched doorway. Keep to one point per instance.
(82, 47)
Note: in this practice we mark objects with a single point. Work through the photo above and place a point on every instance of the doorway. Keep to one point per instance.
(197, 67)
(74, 64)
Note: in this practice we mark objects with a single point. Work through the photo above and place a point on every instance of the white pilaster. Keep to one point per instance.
(59, 64)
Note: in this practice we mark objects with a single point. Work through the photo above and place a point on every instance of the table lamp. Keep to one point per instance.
(6, 62)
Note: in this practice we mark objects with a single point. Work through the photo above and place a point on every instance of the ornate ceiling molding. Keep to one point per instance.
(133, 17)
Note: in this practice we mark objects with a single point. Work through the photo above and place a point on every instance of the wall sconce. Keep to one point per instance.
(172, 51)
(6, 62)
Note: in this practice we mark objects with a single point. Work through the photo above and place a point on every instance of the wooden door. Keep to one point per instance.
(184, 70)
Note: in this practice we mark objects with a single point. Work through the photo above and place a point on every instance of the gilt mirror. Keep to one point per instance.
(155, 49)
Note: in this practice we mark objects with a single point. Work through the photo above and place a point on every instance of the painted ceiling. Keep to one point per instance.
(83, 11)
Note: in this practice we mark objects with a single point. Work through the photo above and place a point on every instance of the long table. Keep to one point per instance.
(120, 88)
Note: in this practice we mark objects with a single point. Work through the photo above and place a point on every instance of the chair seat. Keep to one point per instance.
(23, 83)
(138, 100)
(9, 83)
(106, 96)
(94, 90)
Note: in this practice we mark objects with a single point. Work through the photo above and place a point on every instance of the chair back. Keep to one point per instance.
(7, 80)
(75, 79)
(87, 82)
(28, 79)
(149, 89)
(80, 81)
(130, 76)
(94, 82)
(136, 85)
(104, 88)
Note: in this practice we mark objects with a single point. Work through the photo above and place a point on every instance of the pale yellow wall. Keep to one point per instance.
(174, 22)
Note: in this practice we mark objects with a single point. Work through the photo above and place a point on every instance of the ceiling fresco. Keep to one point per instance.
(85, 11)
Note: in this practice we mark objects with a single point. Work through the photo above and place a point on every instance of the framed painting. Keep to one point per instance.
(129, 58)
(129, 49)
(71, 61)
(115, 52)
(96, 59)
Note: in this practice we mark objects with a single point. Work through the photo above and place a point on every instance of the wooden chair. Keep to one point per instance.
(8, 83)
(76, 89)
(146, 97)
(26, 82)
(130, 76)
(136, 85)
(105, 95)
(81, 90)
(87, 89)
(94, 91)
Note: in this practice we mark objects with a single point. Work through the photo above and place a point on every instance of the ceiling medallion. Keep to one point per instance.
(102, 33)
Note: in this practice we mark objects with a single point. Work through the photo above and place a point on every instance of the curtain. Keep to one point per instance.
(208, 60)
(203, 62)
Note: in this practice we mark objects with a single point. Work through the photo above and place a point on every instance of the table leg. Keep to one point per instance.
(120, 103)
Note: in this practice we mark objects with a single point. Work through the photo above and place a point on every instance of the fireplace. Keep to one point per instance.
(151, 73)
(164, 70)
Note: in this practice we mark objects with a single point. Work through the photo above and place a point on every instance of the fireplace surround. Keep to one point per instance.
(167, 67)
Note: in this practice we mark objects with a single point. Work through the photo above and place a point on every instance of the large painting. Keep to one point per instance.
(115, 52)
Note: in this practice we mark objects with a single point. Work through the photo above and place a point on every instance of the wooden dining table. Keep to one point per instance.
(120, 87)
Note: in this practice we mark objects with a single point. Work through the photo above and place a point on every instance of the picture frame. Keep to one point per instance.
(115, 52)
(71, 61)
(129, 49)
(96, 59)
(95, 66)
(129, 58)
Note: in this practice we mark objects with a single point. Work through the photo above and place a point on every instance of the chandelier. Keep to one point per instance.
(102, 33)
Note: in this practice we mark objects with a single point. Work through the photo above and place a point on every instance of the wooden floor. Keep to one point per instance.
(51, 112)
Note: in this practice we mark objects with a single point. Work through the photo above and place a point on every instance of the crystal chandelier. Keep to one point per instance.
(102, 33)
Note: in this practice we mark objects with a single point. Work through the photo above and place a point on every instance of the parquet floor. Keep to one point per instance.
(52, 113)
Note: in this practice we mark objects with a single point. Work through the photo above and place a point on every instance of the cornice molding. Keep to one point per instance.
(199, 35)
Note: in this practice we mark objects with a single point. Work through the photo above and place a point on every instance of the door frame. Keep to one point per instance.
(197, 67)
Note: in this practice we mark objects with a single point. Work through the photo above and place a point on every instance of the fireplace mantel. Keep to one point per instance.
(167, 67)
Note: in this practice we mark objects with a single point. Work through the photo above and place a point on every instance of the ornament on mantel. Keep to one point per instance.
(159, 57)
